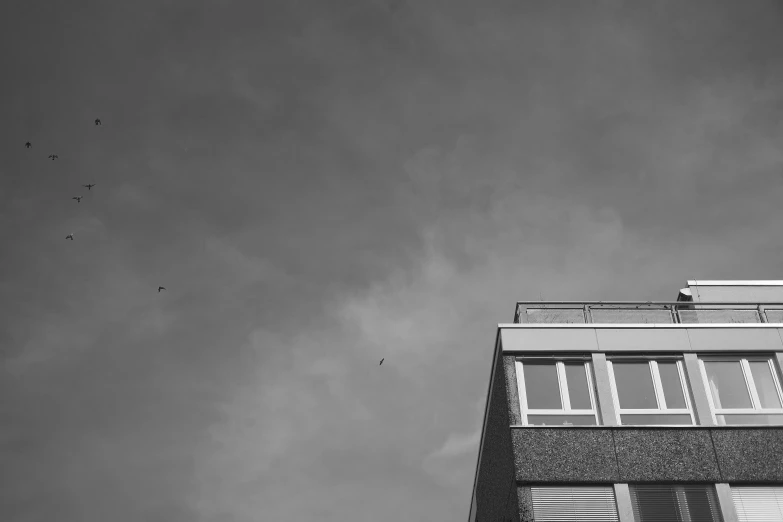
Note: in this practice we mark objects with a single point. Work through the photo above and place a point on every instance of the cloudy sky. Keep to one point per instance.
(320, 186)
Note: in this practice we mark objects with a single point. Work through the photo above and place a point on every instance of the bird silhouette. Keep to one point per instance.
(53, 156)
(89, 186)
(381, 361)
(98, 121)
(69, 236)
(161, 288)
(78, 198)
(28, 144)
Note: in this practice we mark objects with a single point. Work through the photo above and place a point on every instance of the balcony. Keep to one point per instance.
(636, 312)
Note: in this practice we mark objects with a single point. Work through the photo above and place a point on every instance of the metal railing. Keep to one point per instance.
(688, 312)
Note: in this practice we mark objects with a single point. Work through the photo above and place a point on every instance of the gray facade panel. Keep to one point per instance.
(643, 339)
(749, 455)
(676, 455)
(564, 455)
(734, 339)
(548, 340)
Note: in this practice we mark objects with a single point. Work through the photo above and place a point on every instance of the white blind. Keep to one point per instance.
(758, 504)
(574, 504)
(675, 503)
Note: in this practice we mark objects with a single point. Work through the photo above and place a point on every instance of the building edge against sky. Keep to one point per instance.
(630, 409)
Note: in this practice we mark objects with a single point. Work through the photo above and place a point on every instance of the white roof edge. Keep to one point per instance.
(644, 326)
(736, 283)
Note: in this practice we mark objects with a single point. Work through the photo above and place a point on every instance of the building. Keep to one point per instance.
(637, 411)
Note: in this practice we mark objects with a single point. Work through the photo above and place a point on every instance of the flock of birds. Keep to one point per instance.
(88, 186)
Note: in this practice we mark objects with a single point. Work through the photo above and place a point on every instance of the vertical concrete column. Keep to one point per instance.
(622, 495)
(604, 390)
(726, 503)
(512, 390)
(696, 384)
(779, 357)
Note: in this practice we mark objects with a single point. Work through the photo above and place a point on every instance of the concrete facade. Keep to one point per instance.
(494, 496)
(514, 457)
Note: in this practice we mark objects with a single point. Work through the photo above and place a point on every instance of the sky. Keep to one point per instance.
(320, 185)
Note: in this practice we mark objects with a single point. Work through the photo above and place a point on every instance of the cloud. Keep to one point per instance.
(451, 463)
(457, 445)
(357, 186)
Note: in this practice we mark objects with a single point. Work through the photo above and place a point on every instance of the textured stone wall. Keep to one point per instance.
(496, 496)
(607, 455)
(644, 455)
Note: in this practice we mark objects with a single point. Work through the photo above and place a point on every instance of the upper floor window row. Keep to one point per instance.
(649, 391)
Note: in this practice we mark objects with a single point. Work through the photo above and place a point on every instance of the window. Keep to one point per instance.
(556, 392)
(743, 390)
(650, 392)
(681, 503)
(758, 504)
(574, 504)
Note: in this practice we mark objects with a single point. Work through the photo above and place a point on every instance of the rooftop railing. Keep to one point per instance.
(581, 312)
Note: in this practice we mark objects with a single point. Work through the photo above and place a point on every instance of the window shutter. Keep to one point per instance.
(756, 504)
(574, 504)
(681, 503)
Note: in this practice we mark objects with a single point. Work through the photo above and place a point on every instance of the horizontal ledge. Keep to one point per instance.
(735, 283)
(638, 326)
(685, 304)
(652, 427)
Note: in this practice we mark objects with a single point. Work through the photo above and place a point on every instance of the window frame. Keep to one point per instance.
(750, 385)
(562, 382)
(684, 508)
(590, 501)
(660, 399)
(770, 492)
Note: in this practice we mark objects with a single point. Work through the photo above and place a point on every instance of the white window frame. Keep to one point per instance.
(683, 506)
(750, 385)
(660, 399)
(565, 398)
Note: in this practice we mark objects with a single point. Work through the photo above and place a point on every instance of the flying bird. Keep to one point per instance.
(28, 144)
(381, 361)
(161, 288)
(89, 186)
(78, 198)
(69, 236)
(53, 156)
(98, 121)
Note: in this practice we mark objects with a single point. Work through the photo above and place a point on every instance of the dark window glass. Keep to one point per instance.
(541, 386)
(727, 384)
(765, 384)
(635, 388)
(578, 391)
(672, 386)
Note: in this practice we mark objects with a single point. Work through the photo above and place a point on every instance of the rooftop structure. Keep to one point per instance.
(637, 411)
